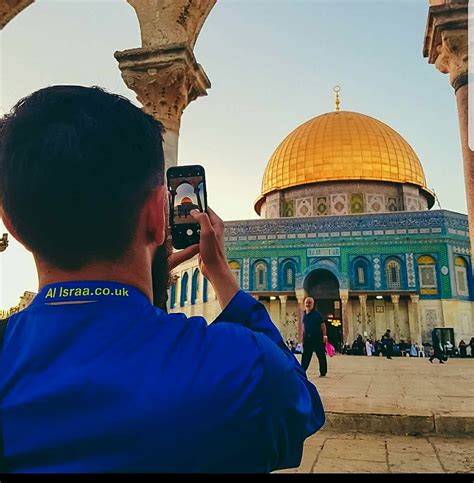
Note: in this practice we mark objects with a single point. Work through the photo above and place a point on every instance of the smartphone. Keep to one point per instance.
(187, 187)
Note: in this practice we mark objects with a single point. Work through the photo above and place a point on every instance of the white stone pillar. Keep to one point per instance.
(344, 295)
(396, 316)
(363, 310)
(414, 318)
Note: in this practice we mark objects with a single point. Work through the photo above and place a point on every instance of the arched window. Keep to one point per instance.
(235, 269)
(460, 267)
(427, 274)
(173, 296)
(194, 286)
(393, 274)
(260, 276)
(288, 272)
(361, 273)
(184, 290)
(204, 290)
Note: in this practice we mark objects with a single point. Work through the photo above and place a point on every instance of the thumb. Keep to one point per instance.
(203, 221)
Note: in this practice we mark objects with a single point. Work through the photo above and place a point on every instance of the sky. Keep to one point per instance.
(272, 65)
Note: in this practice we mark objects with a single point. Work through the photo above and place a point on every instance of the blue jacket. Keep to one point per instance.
(110, 383)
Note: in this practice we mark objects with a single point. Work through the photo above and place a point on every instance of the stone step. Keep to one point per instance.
(461, 424)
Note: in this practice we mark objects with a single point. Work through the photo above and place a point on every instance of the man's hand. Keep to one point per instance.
(212, 259)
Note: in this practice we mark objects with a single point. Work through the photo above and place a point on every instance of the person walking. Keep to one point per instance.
(387, 344)
(437, 350)
(314, 337)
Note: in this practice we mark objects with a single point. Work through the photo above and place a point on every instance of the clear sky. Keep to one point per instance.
(272, 64)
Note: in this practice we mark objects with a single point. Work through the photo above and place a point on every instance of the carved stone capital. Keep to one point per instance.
(166, 22)
(344, 295)
(363, 299)
(11, 8)
(452, 58)
(395, 299)
(414, 298)
(165, 80)
(283, 298)
(446, 39)
(4, 242)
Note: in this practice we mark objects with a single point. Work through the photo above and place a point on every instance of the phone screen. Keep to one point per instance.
(187, 187)
(186, 194)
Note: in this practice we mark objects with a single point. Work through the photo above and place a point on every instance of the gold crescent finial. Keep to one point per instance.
(337, 89)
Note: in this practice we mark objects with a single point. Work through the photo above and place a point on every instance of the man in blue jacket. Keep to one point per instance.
(86, 384)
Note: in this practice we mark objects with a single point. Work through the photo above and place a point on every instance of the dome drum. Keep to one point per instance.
(343, 198)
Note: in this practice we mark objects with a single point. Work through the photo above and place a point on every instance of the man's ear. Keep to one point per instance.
(158, 212)
(10, 228)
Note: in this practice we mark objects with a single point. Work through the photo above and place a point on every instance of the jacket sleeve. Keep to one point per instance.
(243, 309)
(292, 408)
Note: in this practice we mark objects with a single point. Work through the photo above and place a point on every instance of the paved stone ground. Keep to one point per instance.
(352, 452)
(402, 395)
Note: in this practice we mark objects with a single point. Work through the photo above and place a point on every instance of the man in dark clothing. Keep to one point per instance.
(387, 344)
(437, 351)
(314, 337)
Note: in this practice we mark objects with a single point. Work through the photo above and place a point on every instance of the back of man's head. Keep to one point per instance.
(76, 165)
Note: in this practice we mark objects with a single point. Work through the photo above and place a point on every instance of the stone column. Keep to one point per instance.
(446, 46)
(299, 314)
(414, 318)
(396, 316)
(363, 309)
(344, 294)
(283, 299)
(164, 73)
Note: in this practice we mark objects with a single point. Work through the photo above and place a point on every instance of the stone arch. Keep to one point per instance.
(329, 265)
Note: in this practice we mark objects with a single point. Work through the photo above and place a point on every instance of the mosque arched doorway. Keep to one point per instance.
(323, 286)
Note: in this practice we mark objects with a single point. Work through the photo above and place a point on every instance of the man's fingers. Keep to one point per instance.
(215, 220)
(203, 221)
(177, 258)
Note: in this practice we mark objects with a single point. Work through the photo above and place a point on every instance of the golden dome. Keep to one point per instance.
(340, 146)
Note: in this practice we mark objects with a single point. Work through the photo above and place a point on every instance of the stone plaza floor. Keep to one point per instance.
(403, 395)
(339, 452)
(403, 415)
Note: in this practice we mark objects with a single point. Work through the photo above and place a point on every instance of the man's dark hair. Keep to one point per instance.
(76, 165)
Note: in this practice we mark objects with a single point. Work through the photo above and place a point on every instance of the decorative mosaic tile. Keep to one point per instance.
(304, 207)
(274, 273)
(357, 203)
(289, 208)
(412, 204)
(339, 204)
(375, 203)
(410, 270)
(377, 274)
(321, 205)
(392, 204)
(272, 211)
(246, 274)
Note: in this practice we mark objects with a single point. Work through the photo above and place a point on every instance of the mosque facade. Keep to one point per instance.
(345, 217)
